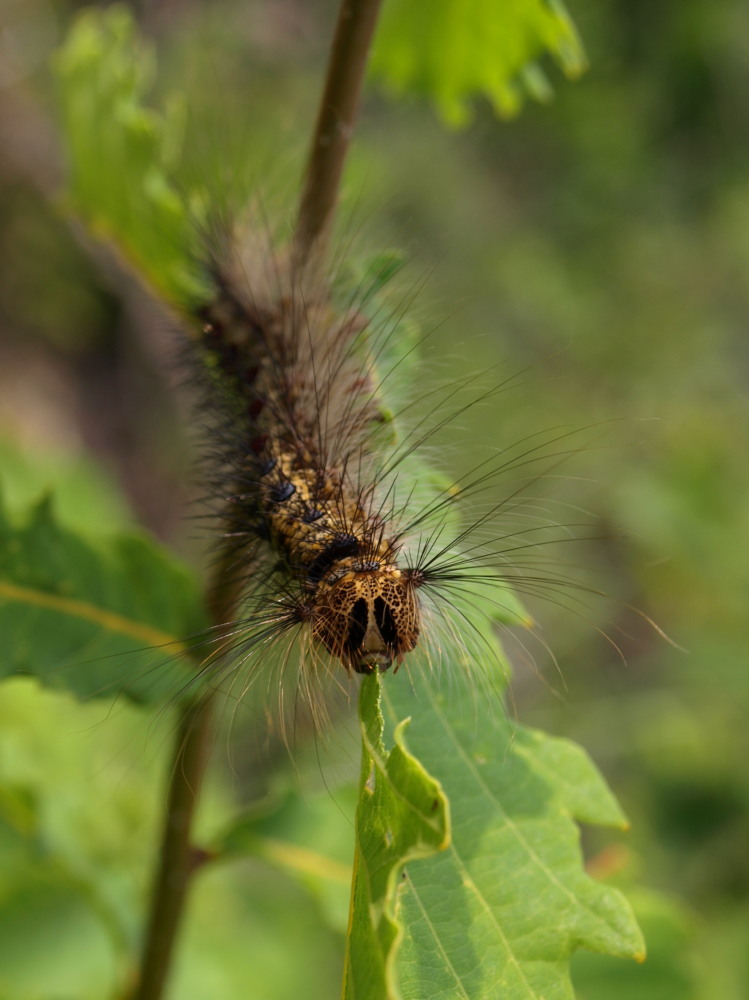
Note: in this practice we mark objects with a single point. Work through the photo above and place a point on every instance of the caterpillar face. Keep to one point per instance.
(367, 615)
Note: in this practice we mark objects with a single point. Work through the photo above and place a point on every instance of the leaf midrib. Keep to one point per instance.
(85, 611)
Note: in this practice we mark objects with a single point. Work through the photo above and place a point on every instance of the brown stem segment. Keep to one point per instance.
(334, 126)
(333, 129)
(179, 857)
(177, 861)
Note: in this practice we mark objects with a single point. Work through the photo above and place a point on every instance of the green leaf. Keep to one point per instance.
(308, 837)
(85, 497)
(53, 943)
(81, 792)
(94, 618)
(670, 972)
(402, 815)
(451, 52)
(503, 909)
(121, 154)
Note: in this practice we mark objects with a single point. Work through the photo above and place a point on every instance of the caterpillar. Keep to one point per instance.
(332, 542)
(300, 431)
(295, 439)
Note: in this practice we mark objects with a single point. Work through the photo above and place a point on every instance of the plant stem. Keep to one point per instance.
(334, 126)
(179, 858)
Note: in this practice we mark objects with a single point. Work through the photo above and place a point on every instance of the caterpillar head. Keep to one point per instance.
(367, 616)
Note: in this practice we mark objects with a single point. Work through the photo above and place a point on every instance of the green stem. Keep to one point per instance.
(334, 126)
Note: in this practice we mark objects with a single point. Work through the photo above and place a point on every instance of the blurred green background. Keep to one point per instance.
(600, 242)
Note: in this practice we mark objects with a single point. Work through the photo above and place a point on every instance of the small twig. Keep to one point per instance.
(176, 863)
(334, 126)
(179, 857)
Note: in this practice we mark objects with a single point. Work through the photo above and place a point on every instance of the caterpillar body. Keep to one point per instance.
(299, 413)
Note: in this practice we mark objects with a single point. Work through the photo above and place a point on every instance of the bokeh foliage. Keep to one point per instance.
(603, 241)
(65, 598)
(482, 50)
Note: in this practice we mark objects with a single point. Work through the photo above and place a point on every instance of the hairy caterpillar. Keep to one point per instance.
(298, 415)
(345, 548)
(325, 538)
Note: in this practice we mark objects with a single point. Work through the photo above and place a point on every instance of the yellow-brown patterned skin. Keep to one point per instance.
(362, 608)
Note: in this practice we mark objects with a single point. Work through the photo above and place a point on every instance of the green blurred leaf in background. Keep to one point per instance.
(603, 243)
(452, 52)
(72, 609)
